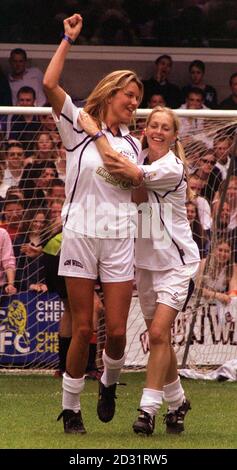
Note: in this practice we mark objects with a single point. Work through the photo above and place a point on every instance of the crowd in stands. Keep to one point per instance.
(32, 174)
(33, 166)
(187, 23)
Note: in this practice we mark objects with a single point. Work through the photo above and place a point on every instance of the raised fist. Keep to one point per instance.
(73, 26)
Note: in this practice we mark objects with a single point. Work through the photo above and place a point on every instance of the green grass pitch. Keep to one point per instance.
(30, 405)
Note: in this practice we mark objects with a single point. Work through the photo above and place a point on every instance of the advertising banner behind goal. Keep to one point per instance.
(29, 330)
(214, 338)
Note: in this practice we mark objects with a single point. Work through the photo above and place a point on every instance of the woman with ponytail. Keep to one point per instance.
(167, 258)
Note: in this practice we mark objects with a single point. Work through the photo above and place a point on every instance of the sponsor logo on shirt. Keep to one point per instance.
(130, 155)
(115, 181)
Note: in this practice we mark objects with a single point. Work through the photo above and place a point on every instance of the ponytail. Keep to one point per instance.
(179, 152)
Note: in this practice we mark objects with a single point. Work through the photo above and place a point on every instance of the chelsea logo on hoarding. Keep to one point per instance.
(16, 319)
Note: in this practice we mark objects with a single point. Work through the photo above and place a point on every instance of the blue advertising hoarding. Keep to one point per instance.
(29, 330)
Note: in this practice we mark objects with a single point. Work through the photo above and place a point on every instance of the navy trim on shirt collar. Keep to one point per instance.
(119, 133)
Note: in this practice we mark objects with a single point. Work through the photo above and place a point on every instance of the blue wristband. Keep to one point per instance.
(68, 39)
(97, 135)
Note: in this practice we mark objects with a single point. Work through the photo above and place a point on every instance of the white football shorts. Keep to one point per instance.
(111, 259)
(172, 287)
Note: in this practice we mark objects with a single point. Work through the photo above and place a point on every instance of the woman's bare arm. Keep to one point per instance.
(56, 94)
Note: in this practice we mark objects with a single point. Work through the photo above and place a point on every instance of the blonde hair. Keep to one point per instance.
(178, 150)
(97, 101)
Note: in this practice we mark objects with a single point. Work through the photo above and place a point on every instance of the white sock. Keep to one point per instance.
(151, 400)
(71, 392)
(174, 394)
(112, 369)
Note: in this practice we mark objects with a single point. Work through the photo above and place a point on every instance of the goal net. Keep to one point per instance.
(32, 169)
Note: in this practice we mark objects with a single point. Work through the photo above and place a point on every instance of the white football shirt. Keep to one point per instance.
(165, 239)
(97, 203)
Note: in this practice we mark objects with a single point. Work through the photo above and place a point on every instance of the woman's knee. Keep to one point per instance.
(116, 337)
(158, 336)
(116, 331)
(83, 332)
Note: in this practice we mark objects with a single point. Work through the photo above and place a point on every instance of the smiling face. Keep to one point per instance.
(38, 223)
(194, 100)
(122, 105)
(15, 156)
(191, 212)
(223, 252)
(160, 133)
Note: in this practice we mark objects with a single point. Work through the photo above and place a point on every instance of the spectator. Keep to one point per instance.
(210, 176)
(221, 221)
(21, 76)
(41, 185)
(5, 100)
(221, 274)
(3, 186)
(44, 147)
(61, 161)
(56, 190)
(25, 127)
(197, 72)
(222, 146)
(48, 125)
(203, 207)
(14, 164)
(223, 228)
(44, 159)
(13, 210)
(196, 227)
(156, 100)
(159, 84)
(231, 101)
(28, 249)
(194, 148)
(231, 199)
(5, 90)
(15, 191)
(7, 265)
(191, 125)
